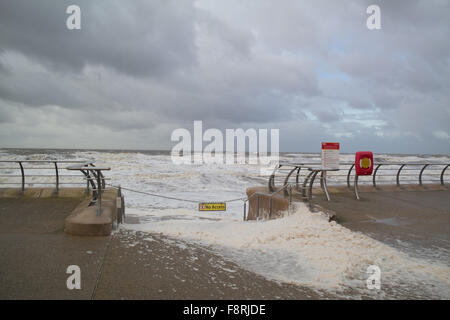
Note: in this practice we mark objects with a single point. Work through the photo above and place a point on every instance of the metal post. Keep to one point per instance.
(305, 183)
(102, 179)
(87, 185)
(23, 176)
(245, 209)
(286, 180)
(89, 182)
(398, 173)
(375, 175)
(57, 177)
(119, 196)
(272, 178)
(99, 192)
(321, 179)
(296, 178)
(356, 187)
(95, 190)
(348, 176)
(324, 184)
(421, 172)
(442, 174)
(311, 187)
(290, 199)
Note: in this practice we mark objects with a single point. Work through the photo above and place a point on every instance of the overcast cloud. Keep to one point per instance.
(139, 69)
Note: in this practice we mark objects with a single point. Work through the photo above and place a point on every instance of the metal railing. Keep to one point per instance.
(93, 176)
(392, 173)
(384, 173)
(27, 179)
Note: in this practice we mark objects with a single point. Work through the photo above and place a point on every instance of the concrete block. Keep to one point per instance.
(84, 221)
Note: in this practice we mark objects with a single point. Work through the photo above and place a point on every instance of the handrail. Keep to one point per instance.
(91, 172)
(286, 170)
(401, 169)
(55, 167)
(100, 179)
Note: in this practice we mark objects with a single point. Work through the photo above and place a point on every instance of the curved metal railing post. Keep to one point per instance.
(57, 177)
(356, 187)
(421, 172)
(442, 174)
(375, 176)
(296, 178)
(348, 176)
(272, 178)
(95, 175)
(87, 185)
(90, 181)
(23, 176)
(290, 199)
(305, 183)
(287, 179)
(99, 192)
(102, 179)
(314, 174)
(398, 174)
(321, 179)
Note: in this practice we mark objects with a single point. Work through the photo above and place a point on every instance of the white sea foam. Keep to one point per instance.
(303, 248)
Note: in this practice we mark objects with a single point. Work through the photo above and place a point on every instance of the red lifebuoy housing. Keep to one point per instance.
(364, 163)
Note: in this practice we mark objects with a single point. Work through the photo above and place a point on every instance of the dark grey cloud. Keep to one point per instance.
(139, 69)
(143, 38)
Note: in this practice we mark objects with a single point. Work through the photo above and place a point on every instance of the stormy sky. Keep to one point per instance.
(139, 69)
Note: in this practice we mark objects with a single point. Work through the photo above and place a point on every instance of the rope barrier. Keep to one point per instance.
(170, 198)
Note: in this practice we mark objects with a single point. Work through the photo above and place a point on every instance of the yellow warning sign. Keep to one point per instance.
(212, 206)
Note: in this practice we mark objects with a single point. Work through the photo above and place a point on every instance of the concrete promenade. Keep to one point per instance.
(414, 219)
(35, 252)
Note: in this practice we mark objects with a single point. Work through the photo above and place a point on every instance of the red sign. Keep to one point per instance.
(364, 163)
(330, 155)
(330, 145)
